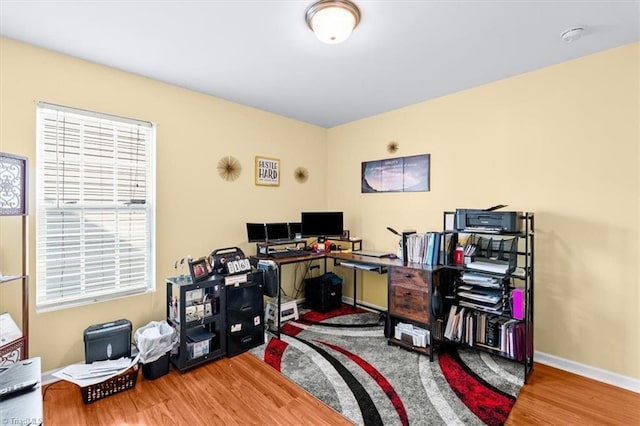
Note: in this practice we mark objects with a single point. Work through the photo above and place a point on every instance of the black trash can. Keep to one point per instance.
(157, 368)
(323, 293)
(155, 341)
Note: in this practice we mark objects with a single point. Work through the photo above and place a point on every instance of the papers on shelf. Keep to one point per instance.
(498, 268)
(480, 280)
(89, 374)
(482, 295)
(413, 335)
(426, 248)
(9, 331)
(493, 309)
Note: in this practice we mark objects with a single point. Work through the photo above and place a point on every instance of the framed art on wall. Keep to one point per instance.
(13, 185)
(403, 174)
(267, 171)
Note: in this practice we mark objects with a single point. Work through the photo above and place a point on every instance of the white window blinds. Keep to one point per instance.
(95, 207)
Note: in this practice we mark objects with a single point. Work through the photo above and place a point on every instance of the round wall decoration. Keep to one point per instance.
(301, 174)
(392, 147)
(229, 168)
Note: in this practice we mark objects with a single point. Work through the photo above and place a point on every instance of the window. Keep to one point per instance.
(95, 188)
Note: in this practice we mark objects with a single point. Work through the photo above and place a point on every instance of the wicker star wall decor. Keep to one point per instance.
(392, 147)
(229, 168)
(301, 174)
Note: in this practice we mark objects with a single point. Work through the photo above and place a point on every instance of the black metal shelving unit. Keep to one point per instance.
(519, 274)
(198, 313)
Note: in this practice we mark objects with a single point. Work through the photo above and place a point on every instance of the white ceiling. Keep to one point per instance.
(262, 54)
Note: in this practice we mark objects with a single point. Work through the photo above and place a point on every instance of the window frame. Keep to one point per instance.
(116, 288)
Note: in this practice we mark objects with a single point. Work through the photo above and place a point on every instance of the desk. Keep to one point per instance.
(24, 408)
(281, 261)
(362, 263)
(410, 289)
(346, 260)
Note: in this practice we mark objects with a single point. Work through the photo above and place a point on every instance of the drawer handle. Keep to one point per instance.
(407, 293)
(408, 275)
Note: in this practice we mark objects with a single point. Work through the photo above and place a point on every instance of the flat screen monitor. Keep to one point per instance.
(322, 224)
(295, 228)
(256, 232)
(277, 231)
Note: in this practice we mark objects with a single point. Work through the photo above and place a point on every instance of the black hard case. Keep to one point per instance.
(110, 340)
(323, 293)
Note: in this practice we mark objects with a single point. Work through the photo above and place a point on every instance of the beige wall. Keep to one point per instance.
(561, 142)
(196, 210)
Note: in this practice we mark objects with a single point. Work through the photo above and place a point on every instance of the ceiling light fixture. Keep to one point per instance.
(572, 35)
(333, 20)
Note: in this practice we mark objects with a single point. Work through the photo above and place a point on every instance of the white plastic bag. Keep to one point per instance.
(154, 340)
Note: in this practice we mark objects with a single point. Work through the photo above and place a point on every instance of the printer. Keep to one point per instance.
(487, 220)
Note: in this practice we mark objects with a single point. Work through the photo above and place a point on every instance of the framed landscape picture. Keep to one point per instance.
(403, 174)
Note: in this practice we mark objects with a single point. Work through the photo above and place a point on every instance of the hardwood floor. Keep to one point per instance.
(245, 391)
(555, 397)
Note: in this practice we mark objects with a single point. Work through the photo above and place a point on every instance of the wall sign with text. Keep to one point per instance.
(267, 171)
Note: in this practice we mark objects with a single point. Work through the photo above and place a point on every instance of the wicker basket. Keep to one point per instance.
(119, 383)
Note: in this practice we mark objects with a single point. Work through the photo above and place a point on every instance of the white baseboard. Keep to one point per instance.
(47, 377)
(349, 301)
(588, 371)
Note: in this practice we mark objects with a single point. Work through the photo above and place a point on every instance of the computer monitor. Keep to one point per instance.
(322, 224)
(256, 232)
(277, 231)
(295, 228)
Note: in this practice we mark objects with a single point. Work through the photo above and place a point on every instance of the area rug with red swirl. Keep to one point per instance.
(343, 359)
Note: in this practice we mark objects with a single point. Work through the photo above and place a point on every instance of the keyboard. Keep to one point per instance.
(288, 253)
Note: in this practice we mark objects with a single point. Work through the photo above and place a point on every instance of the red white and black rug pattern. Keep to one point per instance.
(342, 358)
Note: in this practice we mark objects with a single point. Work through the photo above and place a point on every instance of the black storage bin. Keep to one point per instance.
(323, 293)
(157, 368)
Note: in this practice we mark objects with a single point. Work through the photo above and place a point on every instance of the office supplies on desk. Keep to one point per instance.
(288, 253)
